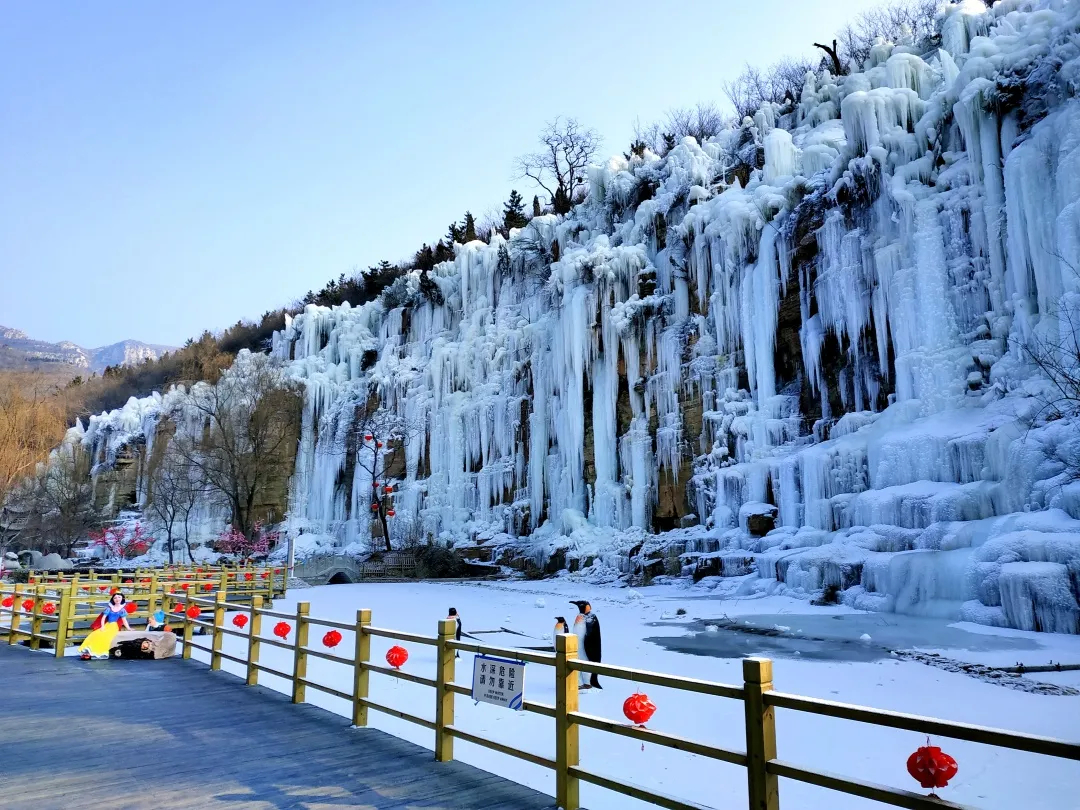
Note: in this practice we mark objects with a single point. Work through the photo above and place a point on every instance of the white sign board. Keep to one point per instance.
(499, 681)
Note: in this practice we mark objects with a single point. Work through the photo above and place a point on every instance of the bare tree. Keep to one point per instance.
(559, 166)
(701, 122)
(32, 423)
(900, 22)
(380, 438)
(175, 492)
(235, 435)
(776, 84)
(60, 499)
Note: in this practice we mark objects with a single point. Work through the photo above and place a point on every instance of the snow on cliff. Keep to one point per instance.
(827, 310)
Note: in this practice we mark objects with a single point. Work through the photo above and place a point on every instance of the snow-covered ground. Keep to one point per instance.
(988, 777)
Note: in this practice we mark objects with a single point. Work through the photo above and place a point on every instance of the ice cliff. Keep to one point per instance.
(799, 354)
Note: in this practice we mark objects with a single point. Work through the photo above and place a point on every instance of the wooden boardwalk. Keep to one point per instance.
(166, 735)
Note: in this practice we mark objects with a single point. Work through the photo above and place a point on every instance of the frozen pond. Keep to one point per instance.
(829, 637)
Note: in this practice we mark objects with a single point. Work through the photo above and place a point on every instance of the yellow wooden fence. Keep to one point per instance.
(54, 611)
(760, 700)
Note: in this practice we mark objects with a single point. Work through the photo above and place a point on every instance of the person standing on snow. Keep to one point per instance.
(587, 629)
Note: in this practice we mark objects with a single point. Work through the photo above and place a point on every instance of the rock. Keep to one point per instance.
(541, 603)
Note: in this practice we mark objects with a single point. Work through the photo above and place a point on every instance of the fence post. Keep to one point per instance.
(760, 734)
(567, 787)
(63, 617)
(152, 601)
(187, 625)
(15, 608)
(444, 698)
(299, 690)
(219, 622)
(35, 618)
(253, 641)
(360, 672)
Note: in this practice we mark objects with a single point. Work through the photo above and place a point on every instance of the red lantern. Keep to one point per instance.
(194, 612)
(388, 489)
(128, 582)
(931, 767)
(249, 576)
(31, 580)
(638, 708)
(8, 601)
(240, 620)
(390, 513)
(185, 586)
(198, 570)
(131, 607)
(375, 507)
(277, 570)
(265, 575)
(367, 437)
(331, 639)
(397, 656)
(378, 444)
(48, 608)
(102, 588)
(209, 586)
(28, 605)
(281, 629)
(178, 609)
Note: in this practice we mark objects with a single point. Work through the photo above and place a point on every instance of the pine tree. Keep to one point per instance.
(443, 252)
(514, 212)
(425, 259)
(456, 235)
(536, 205)
(469, 228)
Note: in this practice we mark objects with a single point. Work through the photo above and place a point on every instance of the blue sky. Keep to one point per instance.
(171, 167)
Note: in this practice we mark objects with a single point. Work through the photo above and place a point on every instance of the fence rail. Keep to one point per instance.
(763, 768)
(56, 610)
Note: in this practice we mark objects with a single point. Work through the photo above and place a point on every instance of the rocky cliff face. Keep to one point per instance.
(796, 357)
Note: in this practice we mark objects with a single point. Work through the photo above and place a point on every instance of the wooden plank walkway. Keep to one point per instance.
(170, 735)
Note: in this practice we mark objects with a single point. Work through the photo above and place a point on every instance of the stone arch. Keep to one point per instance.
(340, 578)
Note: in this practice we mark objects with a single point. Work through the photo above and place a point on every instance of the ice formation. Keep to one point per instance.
(823, 311)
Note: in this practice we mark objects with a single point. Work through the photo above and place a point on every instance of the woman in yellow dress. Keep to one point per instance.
(113, 620)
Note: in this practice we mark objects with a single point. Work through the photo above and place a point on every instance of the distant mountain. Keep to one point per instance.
(19, 351)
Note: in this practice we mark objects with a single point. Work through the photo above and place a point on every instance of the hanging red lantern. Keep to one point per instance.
(265, 575)
(367, 437)
(931, 767)
(397, 656)
(102, 588)
(240, 620)
(378, 444)
(131, 607)
(129, 582)
(375, 507)
(638, 708)
(390, 512)
(8, 601)
(331, 639)
(185, 586)
(194, 612)
(48, 608)
(281, 629)
(277, 570)
(209, 586)
(388, 489)
(31, 580)
(145, 581)
(249, 576)
(28, 605)
(178, 609)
